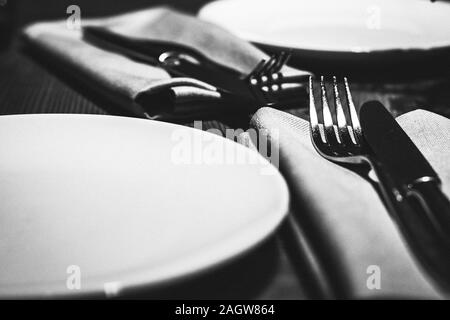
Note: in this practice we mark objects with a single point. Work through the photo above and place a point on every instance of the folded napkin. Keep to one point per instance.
(143, 89)
(345, 220)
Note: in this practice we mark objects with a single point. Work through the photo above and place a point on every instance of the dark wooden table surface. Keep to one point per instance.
(271, 271)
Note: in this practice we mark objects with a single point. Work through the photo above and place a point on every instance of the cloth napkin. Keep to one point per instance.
(343, 216)
(143, 89)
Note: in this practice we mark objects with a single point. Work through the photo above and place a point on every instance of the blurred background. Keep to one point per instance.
(17, 13)
(31, 10)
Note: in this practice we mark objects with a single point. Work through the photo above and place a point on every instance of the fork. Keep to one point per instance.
(265, 85)
(270, 86)
(343, 142)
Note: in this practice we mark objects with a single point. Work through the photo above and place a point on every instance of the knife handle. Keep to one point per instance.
(425, 243)
(435, 204)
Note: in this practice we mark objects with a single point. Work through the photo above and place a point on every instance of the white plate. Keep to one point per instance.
(119, 202)
(336, 26)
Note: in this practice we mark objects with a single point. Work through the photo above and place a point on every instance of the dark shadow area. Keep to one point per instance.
(310, 273)
(312, 254)
(31, 10)
(388, 65)
(245, 277)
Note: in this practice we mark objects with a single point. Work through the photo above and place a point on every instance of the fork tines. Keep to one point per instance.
(342, 130)
(271, 66)
(268, 83)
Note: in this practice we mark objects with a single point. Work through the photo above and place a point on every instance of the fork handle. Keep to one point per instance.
(419, 232)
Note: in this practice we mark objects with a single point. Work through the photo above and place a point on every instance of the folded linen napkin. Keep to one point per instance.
(348, 227)
(142, 89)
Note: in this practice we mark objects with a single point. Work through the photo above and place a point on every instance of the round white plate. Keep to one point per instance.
(350, 37)
(336, 26)
(101, 205)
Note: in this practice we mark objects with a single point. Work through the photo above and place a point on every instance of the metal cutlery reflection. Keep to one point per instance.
(265, 85)
(342, 141)
(270, 86)
(417, 178)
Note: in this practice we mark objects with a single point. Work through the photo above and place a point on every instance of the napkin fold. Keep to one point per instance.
(143, 89)
(350, 231)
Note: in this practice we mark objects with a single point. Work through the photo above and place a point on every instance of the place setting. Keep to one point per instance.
(239, 133)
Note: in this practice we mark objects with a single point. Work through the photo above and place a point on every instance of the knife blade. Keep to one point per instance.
(406, 165)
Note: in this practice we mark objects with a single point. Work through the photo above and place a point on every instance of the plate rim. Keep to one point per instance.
(259, 40)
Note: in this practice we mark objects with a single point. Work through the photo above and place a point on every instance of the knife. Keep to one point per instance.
(416, 199)
(406, 164)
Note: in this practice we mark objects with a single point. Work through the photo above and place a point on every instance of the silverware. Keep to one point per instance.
(392, 146)
(343, 142)
(270, 86)
(264, 86)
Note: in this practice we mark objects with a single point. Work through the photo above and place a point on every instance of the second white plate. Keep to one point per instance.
(336, 26)
(348, 37)
(103, 205)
